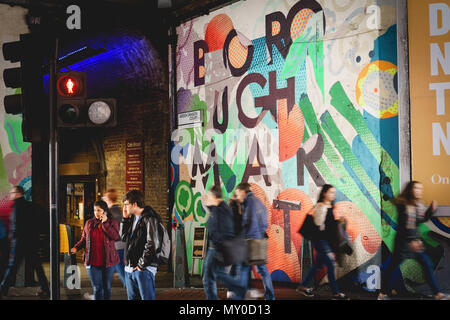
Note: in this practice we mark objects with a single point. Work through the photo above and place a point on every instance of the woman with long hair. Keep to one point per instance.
(100, 255)
(325, 242)
(411, 211)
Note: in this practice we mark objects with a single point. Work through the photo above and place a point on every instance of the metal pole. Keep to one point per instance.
(53, 178)
(403, 93)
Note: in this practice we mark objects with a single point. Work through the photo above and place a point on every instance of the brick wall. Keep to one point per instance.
(150, 122)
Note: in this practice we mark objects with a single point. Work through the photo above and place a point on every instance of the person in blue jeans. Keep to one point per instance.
(110, 197)
(220, 227)
(140, 232)
(325, 241)
(411, 212)
(100, 255)
(254, 224)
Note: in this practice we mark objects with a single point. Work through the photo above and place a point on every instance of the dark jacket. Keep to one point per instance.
(236, 207)
(116, 213)
(111, 234)
(141, 244)
(406, 234)
(25, 222)
(254, 218)
(220, 223)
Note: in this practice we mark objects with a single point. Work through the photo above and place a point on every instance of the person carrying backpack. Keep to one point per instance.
(146, 246)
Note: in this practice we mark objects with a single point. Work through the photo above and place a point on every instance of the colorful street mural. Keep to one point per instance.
(294, 94)
(15, 155)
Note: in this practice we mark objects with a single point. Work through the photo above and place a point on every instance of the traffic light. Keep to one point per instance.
(71, 95)
(75, 111)
(31, 101)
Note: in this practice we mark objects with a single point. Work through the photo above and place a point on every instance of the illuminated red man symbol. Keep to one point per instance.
(69, 86)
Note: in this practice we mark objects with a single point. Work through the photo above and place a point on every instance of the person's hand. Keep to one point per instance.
(104, 217)
(416, 246)
(73, 250)
(125, 212)
(138, 269)
(434, 205)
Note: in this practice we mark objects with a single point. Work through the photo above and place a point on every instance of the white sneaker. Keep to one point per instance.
(254, 294)
(88, 296)
(230, 294)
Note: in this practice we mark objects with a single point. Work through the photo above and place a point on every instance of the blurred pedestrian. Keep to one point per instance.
(110, 198)
(100, 255)
(411, 211)
(140, 232)
(254, 224)
(220, 228)
(24, 239)
(325, 241)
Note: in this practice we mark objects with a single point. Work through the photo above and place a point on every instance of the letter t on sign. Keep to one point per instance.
(286, 206)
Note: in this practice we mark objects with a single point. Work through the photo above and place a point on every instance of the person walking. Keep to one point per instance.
(24, 239)
(254, 224)
(110, 197)
(100, 255)
(140, 232)
(411, 211)
(220, 227)
(325, 241)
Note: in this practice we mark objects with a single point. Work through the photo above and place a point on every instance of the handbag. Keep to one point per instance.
(257, 248)
(257, 251)
(308, 228)
(231, 251)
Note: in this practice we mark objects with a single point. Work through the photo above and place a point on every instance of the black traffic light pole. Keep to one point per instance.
(53, 176)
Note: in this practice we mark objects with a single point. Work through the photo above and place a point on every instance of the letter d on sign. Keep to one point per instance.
(435, 29)
(73, 281)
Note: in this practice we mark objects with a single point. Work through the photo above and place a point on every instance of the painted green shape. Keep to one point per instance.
(346, 152)
(346, 183)
(423, 230)
(200, 215)
(412, 270)
(4, 183)
(13, 127)
(184, 199)
(345, 107)
(306, 43)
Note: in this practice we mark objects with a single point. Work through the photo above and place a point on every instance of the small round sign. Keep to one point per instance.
(99, 112)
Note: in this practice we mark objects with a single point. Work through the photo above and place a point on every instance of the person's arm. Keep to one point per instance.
(111, 229)
(127, 225)
(148, 255)
(82, 243)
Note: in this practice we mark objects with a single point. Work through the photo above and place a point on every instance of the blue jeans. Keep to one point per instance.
(212, 272)
(120, 267)
(101, 279)
(323, 258)
(140, 285)
(420, 257)
(265, 277)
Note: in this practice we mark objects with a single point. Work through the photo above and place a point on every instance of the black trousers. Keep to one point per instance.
(18, 253)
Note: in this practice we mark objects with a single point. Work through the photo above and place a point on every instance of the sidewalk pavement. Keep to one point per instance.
(166, 291)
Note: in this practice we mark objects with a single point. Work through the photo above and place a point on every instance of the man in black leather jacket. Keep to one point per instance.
(140, 232)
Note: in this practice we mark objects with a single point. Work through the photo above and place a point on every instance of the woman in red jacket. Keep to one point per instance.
(100, 256)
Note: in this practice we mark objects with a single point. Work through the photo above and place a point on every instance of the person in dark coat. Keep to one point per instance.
(411, 211)
(325, 242)
(24, 239)
(100, 255)
(110, 198)
(220, 227)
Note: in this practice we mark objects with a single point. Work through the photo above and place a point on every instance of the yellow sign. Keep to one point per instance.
(429, 65)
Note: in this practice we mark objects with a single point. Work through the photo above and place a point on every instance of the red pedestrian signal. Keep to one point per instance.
(71, 88)
(72, 84)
